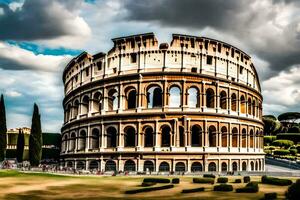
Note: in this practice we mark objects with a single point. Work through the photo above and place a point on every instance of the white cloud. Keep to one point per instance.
(13, 93)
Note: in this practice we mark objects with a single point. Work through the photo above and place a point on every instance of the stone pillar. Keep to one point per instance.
(120, 99)
(188, 166)
(87, 143)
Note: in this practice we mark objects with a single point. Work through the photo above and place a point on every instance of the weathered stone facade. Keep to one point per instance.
(193, 105)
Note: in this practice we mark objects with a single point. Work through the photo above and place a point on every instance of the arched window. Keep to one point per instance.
(251, 138)
(82, 140)
(223, 100)
(85, 105)
(193, 98)
(234, 166)
(129, 166)
(149, 137)
(68, 112)
(196, 167)
(80, 165)
(72, 142)
(196, 136)
(224, 135)
(111, 134)
(154, 97)
(234, 137)
(164, 167)
(180, 167)
(249, 106)
(175, 97)
(76, 109)
(210, 98)
(243, 104)
(252, 165)
(254, 108)
(256, 139)
(212, 135)
(166, 136)
(244, 138)
(181, 136)
(95, 139)
(110, 165)
(93, 165)
(70, 164)
(256, 166)
(212, 167)
(131, 99)
(64, 143)
(224, 167)
(112, 100)
(148, 166)
(244, 166)
(233, 102)
(129, 137)
(97, 102)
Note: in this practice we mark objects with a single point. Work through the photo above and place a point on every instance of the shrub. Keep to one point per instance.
(157, 180)
(246, 179)
(201, 189)
(149, 189)
(295, 137)
(269, 139)
(251, 187)
(223, 187)
(293, 191)
(283, 143)
(146, 184)
(175, 180)
(238, 180)
(270, 196)
(209, 176)
(298, 148)
(281, 152)
(275, 181)
(222, 180)
(204, 180)
(293, 152)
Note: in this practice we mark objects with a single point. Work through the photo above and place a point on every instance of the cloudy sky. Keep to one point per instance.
(38, 38)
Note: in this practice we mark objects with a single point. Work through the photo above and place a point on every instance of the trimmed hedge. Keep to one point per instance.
(175, 180)
(283, 143)
(295, 137)
(238, 180)
(275, 181)
(293, 152)
(209, 176)
(147, 184)
(222, 180)
(247, 179)
(251, 187)
(293, 192)
(270, 196)
(223, 187)
(281, 152)
(157, 180)
(204, 180)
(201, 189)
(149, 189)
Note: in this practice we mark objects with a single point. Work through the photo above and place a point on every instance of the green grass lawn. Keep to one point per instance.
(37, 186)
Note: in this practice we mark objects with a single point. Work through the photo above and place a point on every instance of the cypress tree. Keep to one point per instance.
(20, 146)
(35, 138)
(3, 129)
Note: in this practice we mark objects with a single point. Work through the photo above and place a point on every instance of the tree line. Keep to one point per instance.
(35, 138)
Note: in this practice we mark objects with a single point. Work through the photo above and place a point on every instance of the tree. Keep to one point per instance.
(3, 129)
(289, 116)
(271, 125)
(20, 146)
(35, 138)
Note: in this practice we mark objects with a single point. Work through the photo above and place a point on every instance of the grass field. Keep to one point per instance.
(36, 186)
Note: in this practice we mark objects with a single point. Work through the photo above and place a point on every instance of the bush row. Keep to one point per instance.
(275, 181)
(222, 180)
(209, 176)
(147, 184)
(149, 189)
(247, 179)
(156, 180)
(223, 187)
(270, 196)
(175, 180)
(251, 187)
(201, 189)
(204, 180)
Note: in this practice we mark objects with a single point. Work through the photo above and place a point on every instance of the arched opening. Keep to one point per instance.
(129, 137)
(166, 136)
(210, 98)
(193, 96)
(251, 138)
(244, 166)
(93, 165)
(110, 165)
(112, 100)
(181, 136)
(243, 104)
(80, 165)
(65, 143)
(196, 136)
(97, 102)
(148, 166)
(224, 135)
(233, 102)
(95, 138)
(256, 166)
(196, 167)
(235, 137)
(129, 166)
(131, 99)
(72, 142)
(85, 105)
(82, 140)
(76, 108)
(252, 165)
(70, 164)
(164, 167)
(244, 138)
(223, 100)
(254, 108)
(68, 112)
(212, 135)
(149, 137)
(111, 134)
(212, 167)
(180, 167)
(249, 106)
(234, 166)
(257, 139)
(175, 97)
(154, 97)
(224, 167)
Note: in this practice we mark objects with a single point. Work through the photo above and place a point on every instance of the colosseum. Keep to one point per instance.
(193, 105)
